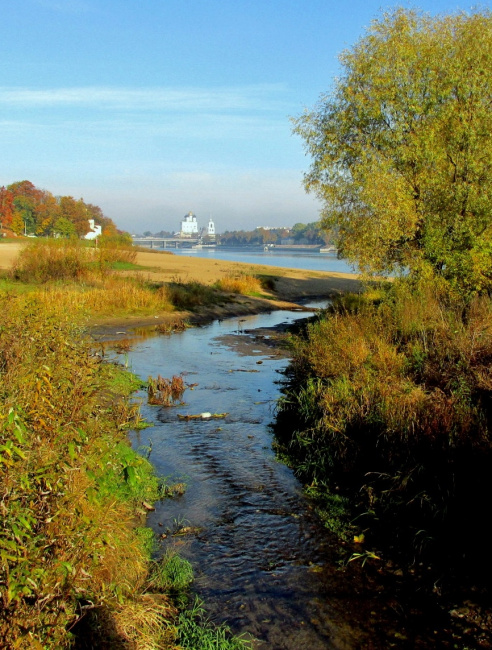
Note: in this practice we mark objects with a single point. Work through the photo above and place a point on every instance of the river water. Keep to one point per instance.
(291, 259)
(263, 562)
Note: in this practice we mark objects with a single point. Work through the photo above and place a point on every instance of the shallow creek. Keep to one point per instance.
(263, 562)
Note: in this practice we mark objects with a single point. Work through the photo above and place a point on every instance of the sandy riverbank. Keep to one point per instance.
(291, 285)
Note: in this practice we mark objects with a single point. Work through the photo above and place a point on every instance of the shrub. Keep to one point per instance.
(52, 259)
(115, 248)
(240, 283)
(392, 402)
(190, 295)
(69, 480)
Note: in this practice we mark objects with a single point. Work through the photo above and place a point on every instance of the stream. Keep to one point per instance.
(263, 562)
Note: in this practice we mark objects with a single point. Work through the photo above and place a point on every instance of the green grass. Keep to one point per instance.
(121, 381)
(197, 632)
(121, 265)
(7, 284)
(171, 574)
(11, 240)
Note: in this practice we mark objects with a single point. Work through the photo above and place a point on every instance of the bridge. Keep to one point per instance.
(165, 242)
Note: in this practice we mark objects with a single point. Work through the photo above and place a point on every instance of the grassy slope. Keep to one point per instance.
(73, 557)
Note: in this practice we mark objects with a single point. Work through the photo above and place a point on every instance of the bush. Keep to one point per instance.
(391, 401)
(116, 248)
(52, 259)
(240, 283)
(190, 295)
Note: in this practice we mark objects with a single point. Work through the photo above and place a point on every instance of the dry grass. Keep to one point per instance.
(392, 400)
(80, 278)
(141, 623)
(53, 259)
(110, 296)
(241, 283)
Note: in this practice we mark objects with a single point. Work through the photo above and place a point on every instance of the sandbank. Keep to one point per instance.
(292, 286)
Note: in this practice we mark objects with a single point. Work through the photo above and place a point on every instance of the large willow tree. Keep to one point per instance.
(402, 148)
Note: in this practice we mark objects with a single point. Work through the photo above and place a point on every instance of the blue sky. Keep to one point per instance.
(153, 108)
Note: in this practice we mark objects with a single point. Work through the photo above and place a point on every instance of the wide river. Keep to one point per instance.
(264, 563)
(291, 260)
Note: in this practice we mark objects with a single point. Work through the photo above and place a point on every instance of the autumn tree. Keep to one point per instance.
(76, 212)
(26, 208)
(6, 208)
(26, 197)
(402, 148)
(47, 213)
(63, 227)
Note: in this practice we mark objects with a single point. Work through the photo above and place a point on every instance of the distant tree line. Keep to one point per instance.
(26, 209)
(161, 233)
(300, 233)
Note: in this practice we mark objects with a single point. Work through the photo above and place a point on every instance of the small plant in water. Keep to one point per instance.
(165, 392)
(195, 630)
(122, 347)
(363, 557)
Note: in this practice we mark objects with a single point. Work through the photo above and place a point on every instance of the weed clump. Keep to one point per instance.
(171, 574)
(195, 630)
(165, 392)
(241, 283)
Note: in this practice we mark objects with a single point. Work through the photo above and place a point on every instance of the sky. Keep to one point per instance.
(154, 108)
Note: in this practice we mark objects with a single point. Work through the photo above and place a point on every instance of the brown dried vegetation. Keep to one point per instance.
(390, 402)
(70, 486)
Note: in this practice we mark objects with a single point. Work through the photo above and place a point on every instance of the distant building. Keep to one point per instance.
(189, 225)
(94, 231)
(211, 228)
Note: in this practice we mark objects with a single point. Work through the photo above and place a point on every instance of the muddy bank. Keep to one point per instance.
(292, 288)
(122, 326)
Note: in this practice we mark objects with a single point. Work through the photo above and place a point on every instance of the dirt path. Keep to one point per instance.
(8, 253)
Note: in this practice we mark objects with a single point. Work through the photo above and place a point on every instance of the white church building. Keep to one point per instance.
(189, 227)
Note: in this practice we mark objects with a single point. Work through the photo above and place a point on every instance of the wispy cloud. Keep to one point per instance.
(262, 97)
